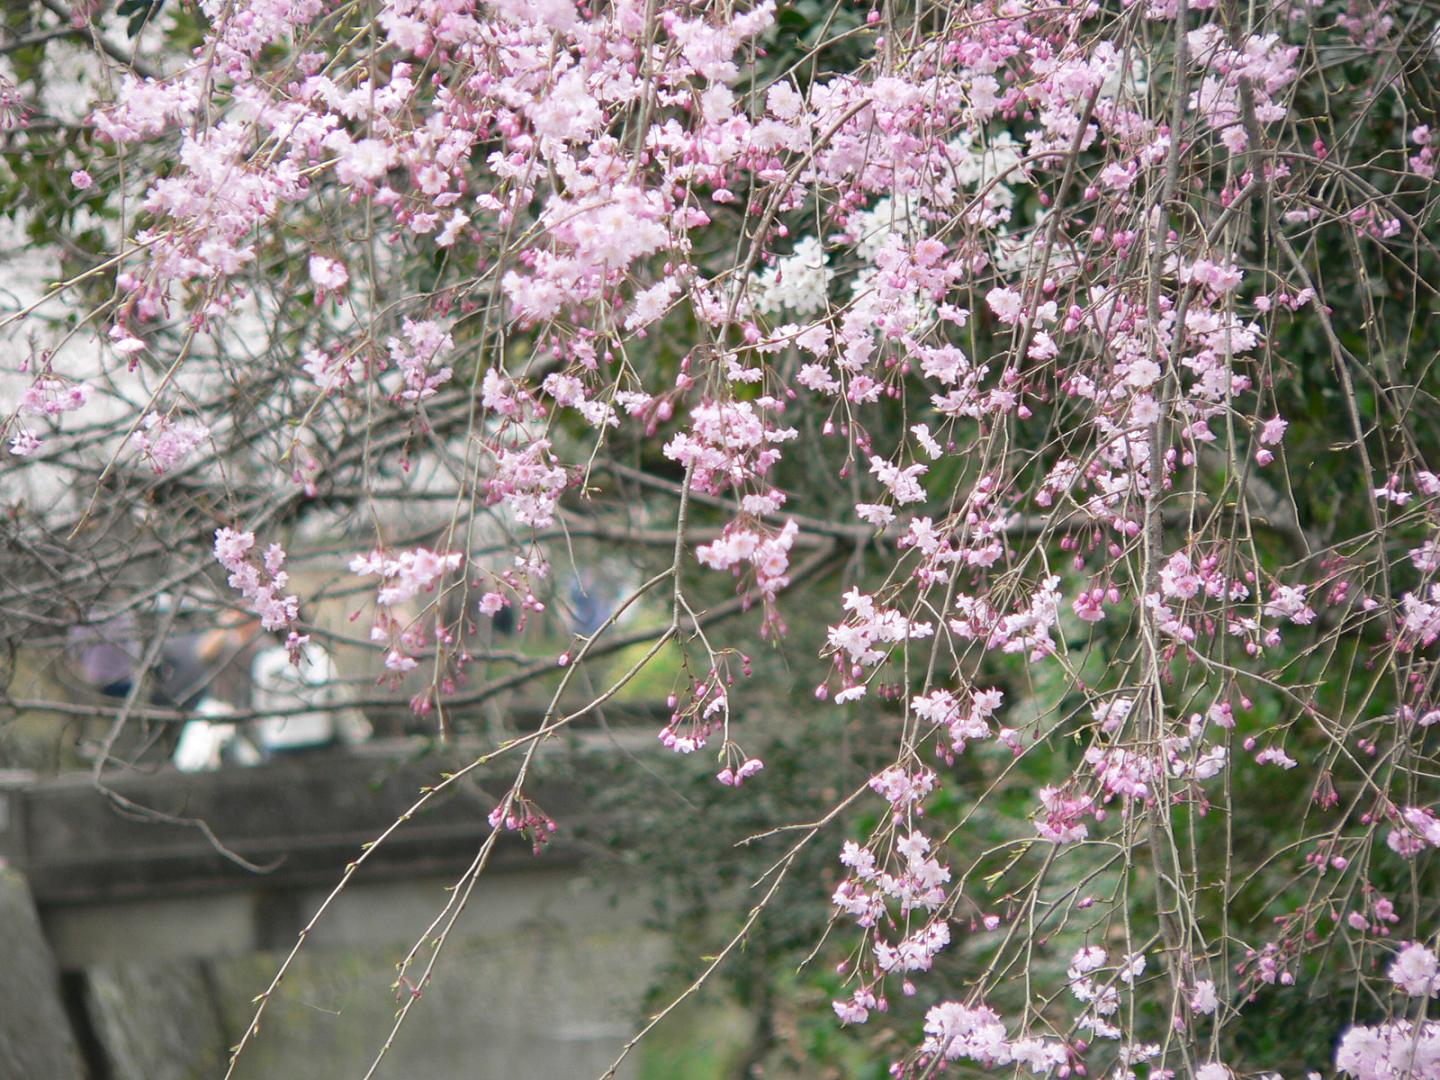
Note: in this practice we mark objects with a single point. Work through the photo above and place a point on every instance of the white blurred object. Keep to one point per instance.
(205, 744)
(279, 686)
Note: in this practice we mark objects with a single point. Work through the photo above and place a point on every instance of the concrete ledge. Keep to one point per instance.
(303, 819)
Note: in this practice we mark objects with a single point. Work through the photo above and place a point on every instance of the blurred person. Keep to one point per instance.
(211, 741)
(228, 651)
(279, 685)
(105, 653)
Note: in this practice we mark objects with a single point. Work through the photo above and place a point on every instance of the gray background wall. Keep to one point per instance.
(134, 950)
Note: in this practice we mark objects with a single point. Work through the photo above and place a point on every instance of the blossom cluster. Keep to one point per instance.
(261, 583)
(977, 318)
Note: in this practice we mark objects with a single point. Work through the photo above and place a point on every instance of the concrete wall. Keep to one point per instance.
(540, 978)
(36, 1039)
(144, 947)
(539, 1004)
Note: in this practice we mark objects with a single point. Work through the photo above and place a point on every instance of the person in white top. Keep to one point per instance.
(278, 686)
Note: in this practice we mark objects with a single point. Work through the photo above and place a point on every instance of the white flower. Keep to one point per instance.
(1415, 971)
(328, 273)
(1203, 999)
(798, 282)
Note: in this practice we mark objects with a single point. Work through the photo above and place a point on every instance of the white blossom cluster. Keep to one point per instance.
(797, 283)
(890, 216)
(996, 160)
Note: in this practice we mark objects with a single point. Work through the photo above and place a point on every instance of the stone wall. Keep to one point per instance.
(135, 950)
(539, 979)
(539, 1004)
(36, 1039)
